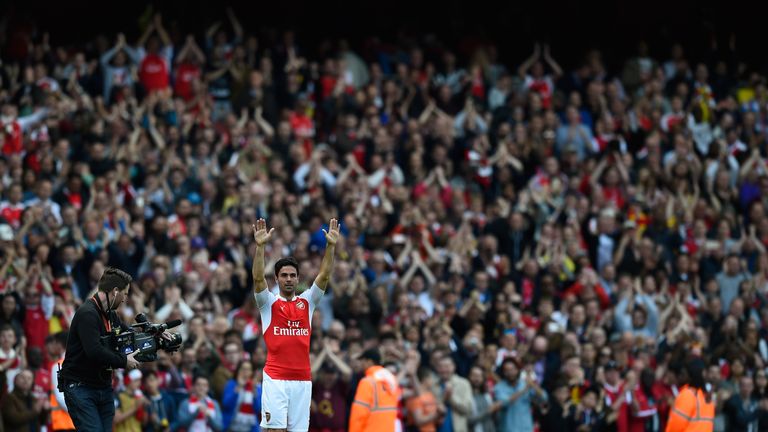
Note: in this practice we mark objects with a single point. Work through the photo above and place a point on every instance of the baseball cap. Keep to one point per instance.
(611, 365)
(134, 375)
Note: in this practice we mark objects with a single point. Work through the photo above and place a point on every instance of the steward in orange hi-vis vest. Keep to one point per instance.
(60, 419)
(376, 400)
(694, 409)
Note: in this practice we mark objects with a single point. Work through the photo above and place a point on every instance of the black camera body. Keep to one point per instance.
(145, 337)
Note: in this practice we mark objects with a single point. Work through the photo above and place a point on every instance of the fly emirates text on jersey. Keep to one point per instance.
(293, 329)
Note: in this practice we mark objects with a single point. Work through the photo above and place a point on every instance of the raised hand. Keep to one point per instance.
(332, 235)
(260, 233)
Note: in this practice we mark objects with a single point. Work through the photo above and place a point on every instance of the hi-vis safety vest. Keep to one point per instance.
(376, 401)
(691, 412)
(60, 419)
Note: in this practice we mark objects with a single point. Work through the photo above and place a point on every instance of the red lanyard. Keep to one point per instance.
(107, 324)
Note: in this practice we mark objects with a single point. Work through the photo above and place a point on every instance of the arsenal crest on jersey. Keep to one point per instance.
(300, 305)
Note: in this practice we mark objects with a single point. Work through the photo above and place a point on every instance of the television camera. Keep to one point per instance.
(145, 337)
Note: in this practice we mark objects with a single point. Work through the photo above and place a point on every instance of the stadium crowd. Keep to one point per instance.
(530, 247)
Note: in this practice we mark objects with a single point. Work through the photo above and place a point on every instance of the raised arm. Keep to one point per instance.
(341, 365)
(326, 267)
(181, 56)
(263, 124)
(318, 361)
(753, 160)
(594, 178)
(107, 56)
(145, 36)
(236, 26)
(622, 169)
(164, 37)
(523, 69)
(191, 50)
(556, 69)
(262, 236)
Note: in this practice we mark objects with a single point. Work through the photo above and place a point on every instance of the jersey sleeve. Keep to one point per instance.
(313, 296)
(265, 300)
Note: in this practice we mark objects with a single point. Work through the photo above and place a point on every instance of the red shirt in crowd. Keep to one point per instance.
(12, 213)
(614, 195)
(153, 72)
(12, 133)
(36, 321)
(327, 84)
(42, 386)
(645, 411)
(577, 288)
(186, 74)
(665, 397)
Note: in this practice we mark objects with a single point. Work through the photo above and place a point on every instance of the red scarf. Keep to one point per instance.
(245, 417)
(246, 399)
(193, 400)
(200, 424)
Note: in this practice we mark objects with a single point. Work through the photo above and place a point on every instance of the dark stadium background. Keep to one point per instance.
(571, 27)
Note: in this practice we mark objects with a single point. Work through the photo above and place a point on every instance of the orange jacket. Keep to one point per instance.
(691, 412)
(375, 406)
(60, 419)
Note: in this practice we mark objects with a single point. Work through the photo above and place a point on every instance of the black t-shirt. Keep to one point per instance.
(87, 361)
(221, 87)
(554, 420)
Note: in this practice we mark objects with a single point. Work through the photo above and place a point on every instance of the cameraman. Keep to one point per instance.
(86, 375)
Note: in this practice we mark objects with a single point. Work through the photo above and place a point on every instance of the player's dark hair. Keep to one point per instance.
(287, 261)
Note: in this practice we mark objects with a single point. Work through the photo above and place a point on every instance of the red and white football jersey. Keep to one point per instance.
(287, 326)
